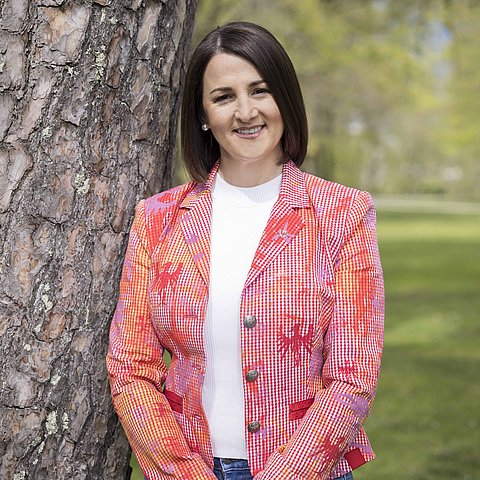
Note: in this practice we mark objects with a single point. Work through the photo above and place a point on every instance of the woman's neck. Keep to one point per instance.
(248, 175)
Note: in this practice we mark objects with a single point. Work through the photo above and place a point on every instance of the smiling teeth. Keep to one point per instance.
(248, 131)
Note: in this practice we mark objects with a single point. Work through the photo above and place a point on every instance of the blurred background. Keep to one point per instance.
(392, 90)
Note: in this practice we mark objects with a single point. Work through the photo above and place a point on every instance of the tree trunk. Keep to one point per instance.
(89, 98)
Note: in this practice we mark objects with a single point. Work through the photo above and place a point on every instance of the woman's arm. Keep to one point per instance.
(352, 354)
(137, 372)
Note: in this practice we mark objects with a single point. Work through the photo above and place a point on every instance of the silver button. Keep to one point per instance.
(250, 321)
(253, 427)
(251, 375)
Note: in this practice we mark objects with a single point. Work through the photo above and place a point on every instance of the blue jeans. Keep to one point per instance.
(233, 469)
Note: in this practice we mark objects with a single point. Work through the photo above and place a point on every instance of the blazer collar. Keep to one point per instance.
(200, 190)
(283, 226)
(292, 189)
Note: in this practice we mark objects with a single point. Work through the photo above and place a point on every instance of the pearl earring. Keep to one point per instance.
(205, 127)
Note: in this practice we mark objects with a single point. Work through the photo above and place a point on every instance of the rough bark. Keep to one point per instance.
(89, 97)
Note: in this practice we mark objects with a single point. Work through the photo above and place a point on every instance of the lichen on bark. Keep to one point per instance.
(85, 132)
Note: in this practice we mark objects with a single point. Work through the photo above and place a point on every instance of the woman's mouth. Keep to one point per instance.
(250, 132)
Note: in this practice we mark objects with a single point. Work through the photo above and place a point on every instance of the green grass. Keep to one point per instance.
(425, 423)
(136, 474)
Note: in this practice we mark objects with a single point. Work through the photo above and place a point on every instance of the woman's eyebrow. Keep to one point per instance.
(257, 82)
(227, 89)
(220, 89)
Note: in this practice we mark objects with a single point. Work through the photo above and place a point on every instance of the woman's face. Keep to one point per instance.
(241, 111)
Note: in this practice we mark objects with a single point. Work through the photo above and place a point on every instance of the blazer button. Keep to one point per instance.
(250, 321)
(253, 427)
(251, 375)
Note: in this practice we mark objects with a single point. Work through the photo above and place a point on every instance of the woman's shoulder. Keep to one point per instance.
(339, 208)
(167, 200)
(326, 192)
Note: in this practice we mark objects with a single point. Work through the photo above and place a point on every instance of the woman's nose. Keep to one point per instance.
(245, 110)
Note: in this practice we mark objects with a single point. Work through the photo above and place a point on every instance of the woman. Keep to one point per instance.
(263, 283)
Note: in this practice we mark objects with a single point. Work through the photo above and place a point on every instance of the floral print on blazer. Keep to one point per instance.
(315, 288)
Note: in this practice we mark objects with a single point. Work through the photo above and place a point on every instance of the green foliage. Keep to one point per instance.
(461, 119)
(391, 88)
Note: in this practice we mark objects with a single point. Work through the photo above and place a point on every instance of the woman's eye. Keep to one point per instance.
(222, 98)
(261, 91)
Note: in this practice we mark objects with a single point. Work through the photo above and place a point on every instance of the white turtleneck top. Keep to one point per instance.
(239, 217)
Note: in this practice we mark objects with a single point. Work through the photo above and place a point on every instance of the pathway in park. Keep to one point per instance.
(425, 204)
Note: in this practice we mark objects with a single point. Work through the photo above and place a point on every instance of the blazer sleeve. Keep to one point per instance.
(137, 372)
(352, 353)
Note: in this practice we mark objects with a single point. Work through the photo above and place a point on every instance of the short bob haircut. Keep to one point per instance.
(258, 46)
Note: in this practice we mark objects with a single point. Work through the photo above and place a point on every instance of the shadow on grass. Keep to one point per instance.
(426, 421)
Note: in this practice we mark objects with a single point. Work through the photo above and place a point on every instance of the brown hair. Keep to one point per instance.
(257, 45)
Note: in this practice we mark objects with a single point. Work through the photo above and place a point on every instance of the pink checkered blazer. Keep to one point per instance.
(315, 288)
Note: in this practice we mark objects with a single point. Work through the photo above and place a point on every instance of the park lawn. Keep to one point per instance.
(425, 423)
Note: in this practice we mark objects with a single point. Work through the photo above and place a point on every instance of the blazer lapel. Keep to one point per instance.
(284, 222)
(196, 224)
(283, 225)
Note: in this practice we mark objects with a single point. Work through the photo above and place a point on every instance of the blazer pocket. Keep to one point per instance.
(297, 410)
(175, 401)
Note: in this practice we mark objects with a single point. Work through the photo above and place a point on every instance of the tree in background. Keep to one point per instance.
(386, 84)
(461, 113)
(89, 97)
